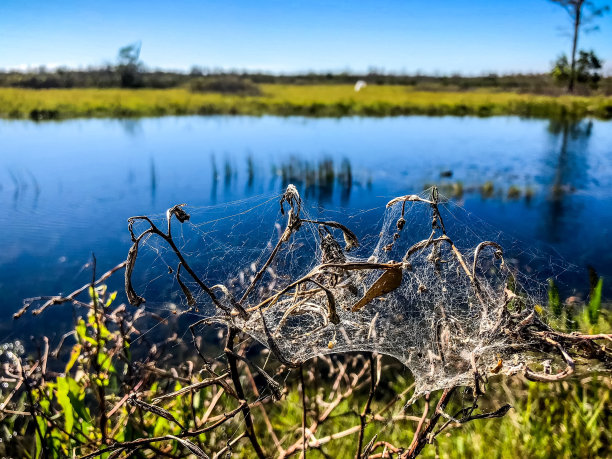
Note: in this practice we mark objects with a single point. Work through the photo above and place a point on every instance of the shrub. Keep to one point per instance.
(225, 85)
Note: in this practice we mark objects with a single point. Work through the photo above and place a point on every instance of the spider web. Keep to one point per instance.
(438, 307)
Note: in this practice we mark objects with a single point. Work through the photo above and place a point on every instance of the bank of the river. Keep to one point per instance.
(286, 100)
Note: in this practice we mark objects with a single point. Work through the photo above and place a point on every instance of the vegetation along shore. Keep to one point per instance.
(292, 100)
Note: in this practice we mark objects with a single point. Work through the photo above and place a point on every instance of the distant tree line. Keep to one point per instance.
(130, 75)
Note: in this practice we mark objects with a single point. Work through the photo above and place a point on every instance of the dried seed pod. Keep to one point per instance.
(400, 223)
(179, 213)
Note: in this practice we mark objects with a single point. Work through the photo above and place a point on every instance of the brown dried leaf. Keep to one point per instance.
(387, 282)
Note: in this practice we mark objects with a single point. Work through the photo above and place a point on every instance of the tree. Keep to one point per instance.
(129, 66)
(582, 13)
(586, 70)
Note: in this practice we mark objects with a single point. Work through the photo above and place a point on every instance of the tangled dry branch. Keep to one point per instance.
(339, 304)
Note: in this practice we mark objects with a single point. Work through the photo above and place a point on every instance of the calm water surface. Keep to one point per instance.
(67, 188)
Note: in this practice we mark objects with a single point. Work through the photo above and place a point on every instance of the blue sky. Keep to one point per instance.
(292, 36)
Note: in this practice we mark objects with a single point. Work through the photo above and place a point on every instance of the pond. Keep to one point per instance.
(67, 188)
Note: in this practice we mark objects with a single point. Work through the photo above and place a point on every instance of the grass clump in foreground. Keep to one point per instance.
(289, 100)
(57, 413)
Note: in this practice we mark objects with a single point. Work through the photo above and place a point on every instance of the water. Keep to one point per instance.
(67, 188)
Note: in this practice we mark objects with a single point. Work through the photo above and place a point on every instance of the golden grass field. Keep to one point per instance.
(287, 100)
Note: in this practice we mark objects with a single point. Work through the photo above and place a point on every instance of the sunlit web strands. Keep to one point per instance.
(424, 289)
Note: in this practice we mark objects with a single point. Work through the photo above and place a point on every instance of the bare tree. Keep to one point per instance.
(582, 13)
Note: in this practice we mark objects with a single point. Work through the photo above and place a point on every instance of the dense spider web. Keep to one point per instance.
(409, 288)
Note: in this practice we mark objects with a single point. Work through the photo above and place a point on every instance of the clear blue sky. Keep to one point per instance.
(291, 36)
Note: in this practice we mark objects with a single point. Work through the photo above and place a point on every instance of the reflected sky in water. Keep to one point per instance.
(67, 188)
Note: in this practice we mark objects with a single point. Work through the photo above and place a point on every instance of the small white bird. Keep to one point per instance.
(360, 85)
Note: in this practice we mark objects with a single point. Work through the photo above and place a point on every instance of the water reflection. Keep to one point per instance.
(568, 165)
(250, 172)
(153, 177)
(131, 126)
(539, 181)
(318, 179)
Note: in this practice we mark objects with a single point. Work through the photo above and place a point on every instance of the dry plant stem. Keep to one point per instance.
(146, 441)
(96, 360)
(366, 409)
(272, 384)
(417, 432)
(56, 351)
(45, 452)
(324, 416)
(18, 385)
(262, 410)
(318, 442)
(303, 390)
(543, 377)
(292, 198)
(219, 380)
(388, 450)
(43, 372)
(350, 266)
(246, 411)
(273, 347)
(261, 272)
(50, 301)
(153, 229)
(292, 226)
(229, 445)
(422, 433)
(211, 407)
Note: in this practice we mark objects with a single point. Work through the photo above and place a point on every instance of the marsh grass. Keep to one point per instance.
(289, 100)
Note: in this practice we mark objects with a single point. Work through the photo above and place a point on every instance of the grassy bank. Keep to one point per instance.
(286, 100)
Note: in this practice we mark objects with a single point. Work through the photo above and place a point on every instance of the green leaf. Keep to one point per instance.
(74, 355)
(595, 303)
(105, 362)
(111, 298)
(76, 394)
(63, 389)
(92, 294)
(554, 300)
(81, 329)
